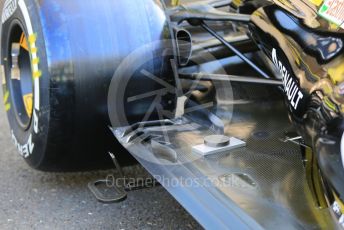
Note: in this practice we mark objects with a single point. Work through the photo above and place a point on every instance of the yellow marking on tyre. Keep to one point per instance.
(32, 39)
(35, 61)
(37, 74)
(33, 50)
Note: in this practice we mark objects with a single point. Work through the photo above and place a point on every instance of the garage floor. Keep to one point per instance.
(30, 199)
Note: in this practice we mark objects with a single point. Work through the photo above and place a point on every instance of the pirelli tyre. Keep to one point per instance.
(58, 59)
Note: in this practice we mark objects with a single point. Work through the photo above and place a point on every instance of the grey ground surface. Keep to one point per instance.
(30, 199)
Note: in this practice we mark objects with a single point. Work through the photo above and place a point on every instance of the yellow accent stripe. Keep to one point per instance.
(237, 3)
(337, 73)
(32, 38)
(316, 2)
(174, 2)
(313, 179)
(37, 74)
(330, 104)
(6, 96)
(7, 107)
(307, 66)
(35, 61)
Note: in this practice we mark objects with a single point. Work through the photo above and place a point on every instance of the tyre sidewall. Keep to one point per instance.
(30, 142)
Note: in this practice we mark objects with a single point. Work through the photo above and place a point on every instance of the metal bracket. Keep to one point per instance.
(15, 70)
(234, 50)
(298, 140)
(119, 192)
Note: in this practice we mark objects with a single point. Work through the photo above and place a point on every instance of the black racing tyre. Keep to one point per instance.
(40, 106)
(59, 58)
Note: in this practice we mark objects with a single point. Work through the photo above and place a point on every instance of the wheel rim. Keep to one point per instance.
(20, 76)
